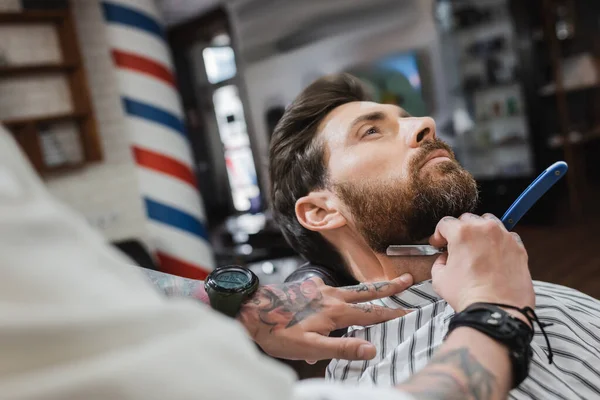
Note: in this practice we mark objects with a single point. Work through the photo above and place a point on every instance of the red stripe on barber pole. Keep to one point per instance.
(181, 268)
(166, 165)
(144, 65)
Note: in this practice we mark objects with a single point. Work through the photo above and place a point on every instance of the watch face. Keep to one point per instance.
(232, 279)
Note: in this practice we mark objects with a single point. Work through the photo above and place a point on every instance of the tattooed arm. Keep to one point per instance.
(469, 366)
(176, 286)
(293, 320)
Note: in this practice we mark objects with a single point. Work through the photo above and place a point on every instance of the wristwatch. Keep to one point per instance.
(504, 328)
(228, 287)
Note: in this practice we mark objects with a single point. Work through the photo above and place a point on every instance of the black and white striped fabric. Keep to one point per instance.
(405, 345)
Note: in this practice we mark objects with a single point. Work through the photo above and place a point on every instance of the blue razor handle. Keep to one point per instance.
(537, 189)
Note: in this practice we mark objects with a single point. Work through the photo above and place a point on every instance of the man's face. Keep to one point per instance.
(396, 180)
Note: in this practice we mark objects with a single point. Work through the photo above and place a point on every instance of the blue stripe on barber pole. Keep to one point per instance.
(174, 207)
(143, 6)
(160, 188)
(156, 93)
(155, 114)
(175, 218)
(118, 14)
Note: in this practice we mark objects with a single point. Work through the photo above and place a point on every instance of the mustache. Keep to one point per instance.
(425, 150)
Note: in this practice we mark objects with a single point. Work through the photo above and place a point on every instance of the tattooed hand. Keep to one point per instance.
(293, 320)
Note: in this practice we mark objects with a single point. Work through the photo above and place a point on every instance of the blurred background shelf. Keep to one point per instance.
(32, 17)
(37, 134)
(8, 71)
(44, 119)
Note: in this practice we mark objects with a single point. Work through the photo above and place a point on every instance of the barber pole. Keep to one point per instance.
(154, 115)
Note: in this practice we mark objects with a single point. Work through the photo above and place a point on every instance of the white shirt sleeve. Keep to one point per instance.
(78, 323)
(319, 389)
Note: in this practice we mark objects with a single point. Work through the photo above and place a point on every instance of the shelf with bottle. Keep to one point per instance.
(471, 58)
(483, 141)
(576, 139)
(498, 161)
(473, 20)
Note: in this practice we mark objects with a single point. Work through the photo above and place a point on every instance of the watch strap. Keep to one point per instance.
(227, 303)
(501, 326)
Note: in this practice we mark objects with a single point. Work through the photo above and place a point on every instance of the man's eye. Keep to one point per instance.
(371, 131)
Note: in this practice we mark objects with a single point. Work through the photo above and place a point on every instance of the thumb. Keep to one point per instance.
(325, 347)
(444, 232)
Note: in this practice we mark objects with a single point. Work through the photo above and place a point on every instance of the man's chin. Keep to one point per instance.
(444, 168)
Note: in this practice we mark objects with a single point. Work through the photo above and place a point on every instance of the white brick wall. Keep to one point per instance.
(26, 96)
(106, 193)
(30, 43)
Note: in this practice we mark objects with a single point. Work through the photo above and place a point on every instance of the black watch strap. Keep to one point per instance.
(504, 328)
(228, 303)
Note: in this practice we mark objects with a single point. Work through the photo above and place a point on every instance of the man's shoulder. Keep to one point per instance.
(547, 287)
(553, 295)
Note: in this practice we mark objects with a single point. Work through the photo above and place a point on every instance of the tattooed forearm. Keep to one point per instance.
(453, 375)
(439, 386)
(174, 286)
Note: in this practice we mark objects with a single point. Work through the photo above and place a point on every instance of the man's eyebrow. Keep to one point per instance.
(377, 116)
(373, 116)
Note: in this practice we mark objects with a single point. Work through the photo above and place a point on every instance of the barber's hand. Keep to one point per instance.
(293, 320)
(484, 263)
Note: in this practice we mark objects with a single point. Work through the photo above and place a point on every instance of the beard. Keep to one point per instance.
(406, 211)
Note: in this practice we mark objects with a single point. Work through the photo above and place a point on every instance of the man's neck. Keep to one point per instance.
(368, 266)
(418, 266)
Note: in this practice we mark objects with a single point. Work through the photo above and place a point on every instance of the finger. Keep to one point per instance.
(318, 281)
(444, 230)
(324, 348)
(468, 216)
(376, 290)
(492, 217)
(311, 362)
(517, 238)
(367, 314)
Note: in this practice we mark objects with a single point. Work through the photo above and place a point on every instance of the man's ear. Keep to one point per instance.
(318, 211)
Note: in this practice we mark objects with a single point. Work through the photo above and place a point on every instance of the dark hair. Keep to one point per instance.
(296, 163)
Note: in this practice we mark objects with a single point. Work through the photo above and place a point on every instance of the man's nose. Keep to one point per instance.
(424, 130)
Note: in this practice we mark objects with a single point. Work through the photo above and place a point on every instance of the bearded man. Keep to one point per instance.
(350, 177)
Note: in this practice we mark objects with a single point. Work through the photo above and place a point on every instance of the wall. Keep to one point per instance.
(278, 79)
(106, 193)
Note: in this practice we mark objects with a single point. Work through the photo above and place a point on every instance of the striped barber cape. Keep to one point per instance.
(405, 345)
